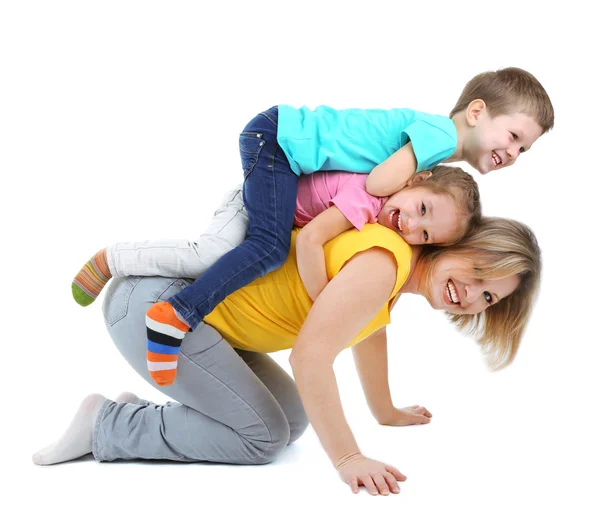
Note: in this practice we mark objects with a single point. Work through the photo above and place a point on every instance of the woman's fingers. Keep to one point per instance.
(381, 484)
(392, 483)
(420, 410)
(369, 484)
(421, 419)
(425, 412)
(395, 472)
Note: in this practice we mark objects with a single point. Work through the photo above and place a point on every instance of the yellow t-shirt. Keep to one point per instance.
(266, 315)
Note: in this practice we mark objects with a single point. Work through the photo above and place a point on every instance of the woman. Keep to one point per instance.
(236, 405)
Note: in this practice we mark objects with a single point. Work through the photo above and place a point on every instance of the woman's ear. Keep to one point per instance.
(474, 111)
(417, 178)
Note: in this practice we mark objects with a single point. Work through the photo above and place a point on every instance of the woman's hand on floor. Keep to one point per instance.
(378, 478)
(412, 415)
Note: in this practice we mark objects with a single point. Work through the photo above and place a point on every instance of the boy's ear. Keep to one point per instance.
(417, 178)
(474, 111)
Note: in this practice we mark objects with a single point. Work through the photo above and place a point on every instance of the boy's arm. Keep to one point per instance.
(370, 358)
(391, 175)
(309, 248)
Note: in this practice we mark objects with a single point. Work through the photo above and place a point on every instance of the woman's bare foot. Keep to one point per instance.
(77, 439)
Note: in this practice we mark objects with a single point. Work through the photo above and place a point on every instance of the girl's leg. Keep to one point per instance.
(173, 258)
(270, 188)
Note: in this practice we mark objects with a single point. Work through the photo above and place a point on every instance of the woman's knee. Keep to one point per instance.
(298, 427)
(267, 448)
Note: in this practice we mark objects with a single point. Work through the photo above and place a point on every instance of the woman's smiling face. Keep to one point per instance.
(455, 289)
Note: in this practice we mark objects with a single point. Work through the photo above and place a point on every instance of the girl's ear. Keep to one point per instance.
(417, 178)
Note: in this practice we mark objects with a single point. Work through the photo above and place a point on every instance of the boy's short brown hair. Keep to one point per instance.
(506, 91)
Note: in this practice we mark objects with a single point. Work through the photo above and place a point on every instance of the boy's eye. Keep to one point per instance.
(522, 150)
(425, 235)
(488, 297)
(423, 209)
(514, 135)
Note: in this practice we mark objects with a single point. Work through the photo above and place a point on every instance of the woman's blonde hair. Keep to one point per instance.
(498, 248)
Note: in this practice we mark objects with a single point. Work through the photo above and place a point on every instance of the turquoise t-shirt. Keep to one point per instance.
(357, 140)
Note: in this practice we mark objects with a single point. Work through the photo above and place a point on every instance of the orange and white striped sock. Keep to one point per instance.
(165, 331)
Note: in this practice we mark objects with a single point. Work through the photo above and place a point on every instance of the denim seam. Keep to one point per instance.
(95, 441)
(266, 115)
(238, 211)
(167, 288)
(237, 395)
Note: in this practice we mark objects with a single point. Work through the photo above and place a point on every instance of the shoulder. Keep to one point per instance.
(384, 246)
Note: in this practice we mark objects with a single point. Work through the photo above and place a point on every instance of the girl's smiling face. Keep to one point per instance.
(421, 216)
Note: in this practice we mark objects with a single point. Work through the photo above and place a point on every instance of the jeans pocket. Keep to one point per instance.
(116, 303)
(250, 147)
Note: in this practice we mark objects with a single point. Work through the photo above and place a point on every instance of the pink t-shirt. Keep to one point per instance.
(346, 190)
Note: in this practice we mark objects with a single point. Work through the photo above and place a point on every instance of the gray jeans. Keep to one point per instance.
(233, 406)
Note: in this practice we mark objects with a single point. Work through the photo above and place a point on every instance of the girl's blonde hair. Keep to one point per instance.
(462, 188)
(498, 248)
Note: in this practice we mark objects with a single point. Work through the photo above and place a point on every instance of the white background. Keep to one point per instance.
(120, 121)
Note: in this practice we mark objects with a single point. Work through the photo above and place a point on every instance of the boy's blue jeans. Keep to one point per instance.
(270, 188)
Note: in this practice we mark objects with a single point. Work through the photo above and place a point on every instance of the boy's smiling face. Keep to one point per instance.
(495, 143)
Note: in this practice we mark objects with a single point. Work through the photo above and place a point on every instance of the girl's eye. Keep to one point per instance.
(423, 209)
(514, 135)
(488, 297)
(522, 150)
(425, 235)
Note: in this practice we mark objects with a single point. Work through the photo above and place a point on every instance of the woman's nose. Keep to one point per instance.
(473, 292)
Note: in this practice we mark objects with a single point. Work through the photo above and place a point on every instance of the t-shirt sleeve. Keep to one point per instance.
(342, 248)
(356, 204)
(433, 141)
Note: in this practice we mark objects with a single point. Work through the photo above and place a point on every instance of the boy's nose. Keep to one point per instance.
(513, 152)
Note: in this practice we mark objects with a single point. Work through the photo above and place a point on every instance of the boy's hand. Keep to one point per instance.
(376, 477)
(412, 415)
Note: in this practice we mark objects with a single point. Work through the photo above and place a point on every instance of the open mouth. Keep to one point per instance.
(496, 159)
(451, 292)
(395, 219)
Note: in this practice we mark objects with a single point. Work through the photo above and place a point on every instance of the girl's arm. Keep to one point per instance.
(309, 248)
(391, 175)
(346, 305)
(370, 358)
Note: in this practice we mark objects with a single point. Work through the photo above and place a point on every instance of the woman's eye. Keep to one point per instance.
(425, 235)
(488, 297)
(423, 209)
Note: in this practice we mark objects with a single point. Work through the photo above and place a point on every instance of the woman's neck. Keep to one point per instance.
(414, 277)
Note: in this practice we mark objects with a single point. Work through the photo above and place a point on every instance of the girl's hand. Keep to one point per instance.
(377, 477)
(412, 415)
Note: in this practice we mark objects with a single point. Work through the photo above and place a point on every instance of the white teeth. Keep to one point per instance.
(391, 219)
(496, 158)
(451, 290)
